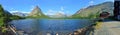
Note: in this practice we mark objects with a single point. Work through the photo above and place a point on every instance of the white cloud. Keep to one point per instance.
(25, 12)
(18, 11)
(32, 7)
(62, 8)
(91, 2)
(61, 12)
(53, 12)
(50, 12)
(110, 0)
(12, 9)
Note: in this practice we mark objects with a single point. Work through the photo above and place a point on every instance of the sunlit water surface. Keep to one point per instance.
(43, 26)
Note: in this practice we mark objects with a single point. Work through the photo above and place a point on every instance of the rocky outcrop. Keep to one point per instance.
(36, 12)
(84, 31)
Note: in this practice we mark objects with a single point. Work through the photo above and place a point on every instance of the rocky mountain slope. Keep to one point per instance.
(36, 12)
(20, 14)
(95, 10)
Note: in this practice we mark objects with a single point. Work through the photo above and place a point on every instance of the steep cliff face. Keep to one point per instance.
(36, 12)
(95, 10)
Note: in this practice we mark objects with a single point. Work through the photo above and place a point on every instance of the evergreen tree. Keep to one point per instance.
(1, 16)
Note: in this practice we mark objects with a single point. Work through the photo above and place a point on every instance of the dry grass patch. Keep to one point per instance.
(98, 25)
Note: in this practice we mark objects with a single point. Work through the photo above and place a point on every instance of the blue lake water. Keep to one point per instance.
(42, 26)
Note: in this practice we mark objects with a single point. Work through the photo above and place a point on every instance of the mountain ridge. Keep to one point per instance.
(94, 10)
(37, 12)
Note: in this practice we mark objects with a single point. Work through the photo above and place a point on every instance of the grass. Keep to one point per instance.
(98, 25)
(4, 29)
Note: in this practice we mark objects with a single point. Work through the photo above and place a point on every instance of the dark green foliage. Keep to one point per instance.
(1, 11)
(5, 17)
(2, 16)
(15, 17)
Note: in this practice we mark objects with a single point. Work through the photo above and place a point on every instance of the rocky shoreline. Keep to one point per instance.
(85, 31)
(8, 32)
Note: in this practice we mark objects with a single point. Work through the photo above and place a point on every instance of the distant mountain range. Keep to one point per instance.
(58, 15)
(94, 10)
(20, 14)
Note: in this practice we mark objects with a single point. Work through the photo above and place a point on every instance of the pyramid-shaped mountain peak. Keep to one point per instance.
(36, 12)
(36, 7)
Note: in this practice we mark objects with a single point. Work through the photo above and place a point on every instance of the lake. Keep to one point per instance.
(43, 26)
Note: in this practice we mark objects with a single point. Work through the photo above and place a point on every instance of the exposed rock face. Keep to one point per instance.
(36, 12)
(95, 9)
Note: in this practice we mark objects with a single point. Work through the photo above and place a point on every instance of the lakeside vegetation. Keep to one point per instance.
(6, 17)
(98, 25)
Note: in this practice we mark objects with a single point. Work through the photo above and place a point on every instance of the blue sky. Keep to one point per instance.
(48, 6)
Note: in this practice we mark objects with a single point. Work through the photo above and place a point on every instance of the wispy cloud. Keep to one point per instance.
(12, 8)
(50, 12)
(110, 0)
(53, 12)
(62, 8)
(18, 11)
(91, 2)
(13, 11)
(32, 7)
